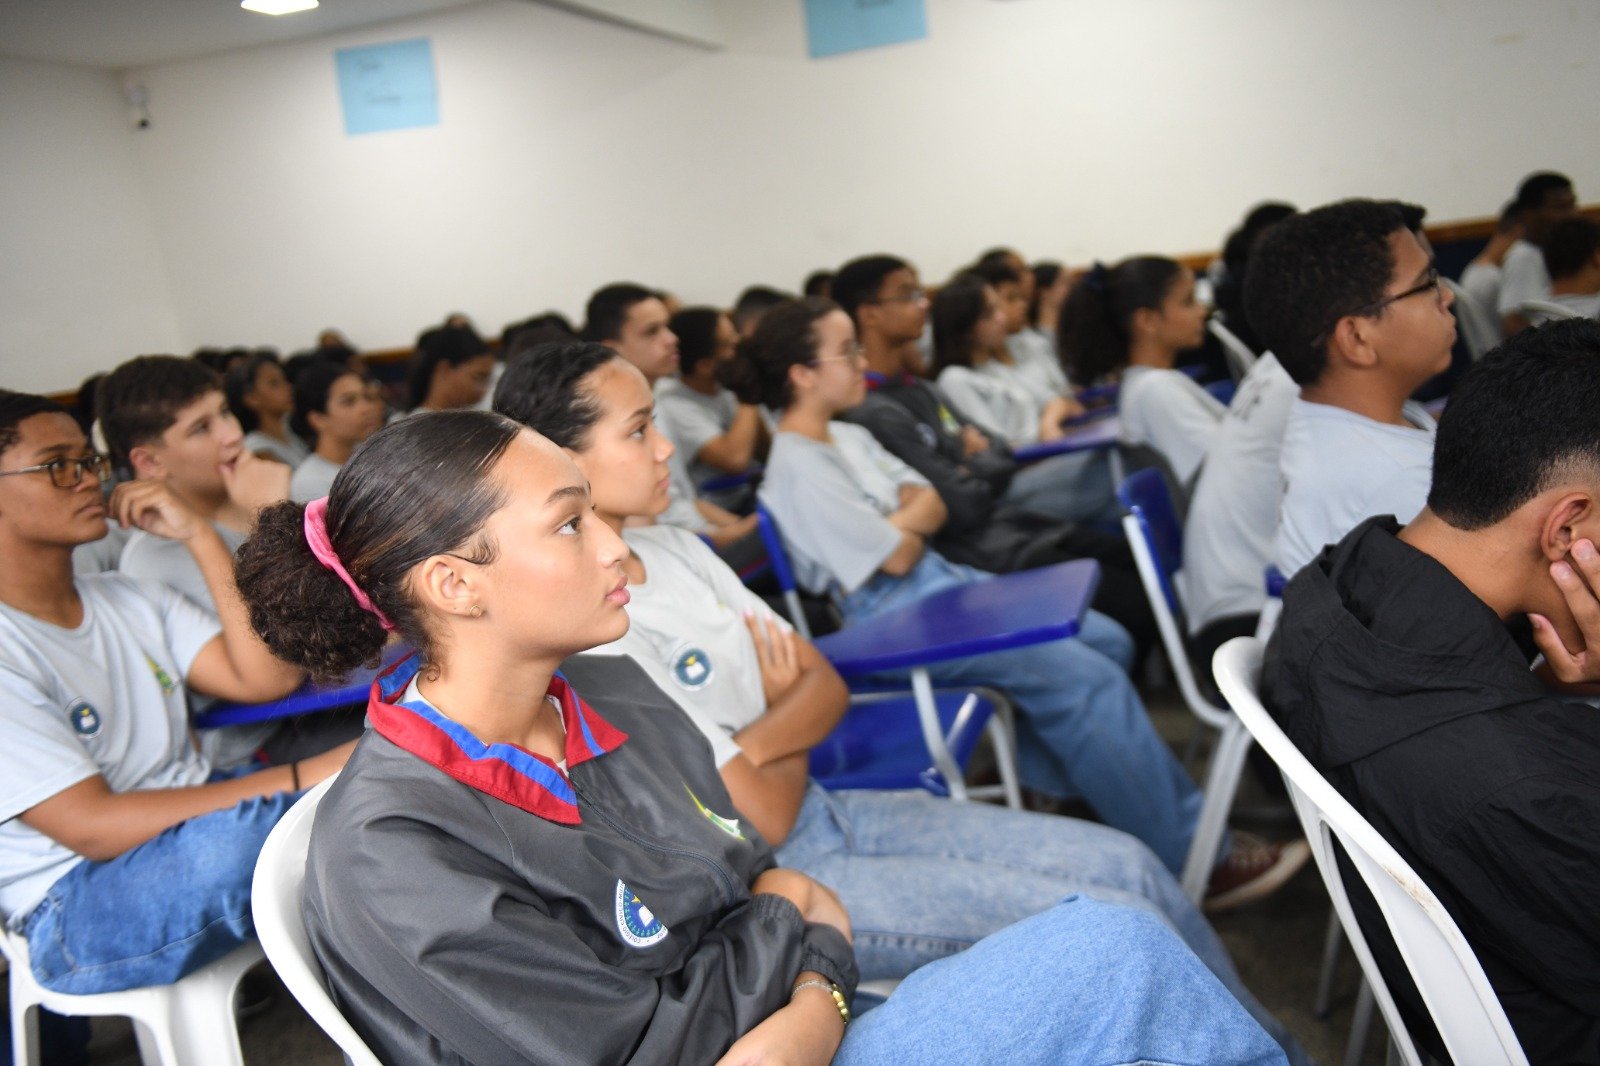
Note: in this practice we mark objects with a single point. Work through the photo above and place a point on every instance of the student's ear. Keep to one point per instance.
(318, 421)
(447, 584)
(1351, 343)
(146, 463)
(1146, 320)
(1571, 518)
(800, 378)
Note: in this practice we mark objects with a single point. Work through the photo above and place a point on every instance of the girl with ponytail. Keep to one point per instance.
(1134, 319)
(509, 871)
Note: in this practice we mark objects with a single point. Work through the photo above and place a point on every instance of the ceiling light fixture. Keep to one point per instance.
(277, 7)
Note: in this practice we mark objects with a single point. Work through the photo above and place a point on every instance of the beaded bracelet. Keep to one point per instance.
(832, 990)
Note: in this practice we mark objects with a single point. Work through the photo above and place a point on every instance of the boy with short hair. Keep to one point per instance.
(166, 420)
(1351, 303)
(124, 860)
(1393, 671)
(633, 321)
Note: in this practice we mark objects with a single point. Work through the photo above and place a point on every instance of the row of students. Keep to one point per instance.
(579, 848)
(763, 696)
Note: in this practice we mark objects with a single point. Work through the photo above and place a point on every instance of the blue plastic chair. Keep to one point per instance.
(1222, 391)
(1156, 537)
(890, 739)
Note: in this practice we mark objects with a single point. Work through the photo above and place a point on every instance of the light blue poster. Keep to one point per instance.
(835, 26)
(388, 86)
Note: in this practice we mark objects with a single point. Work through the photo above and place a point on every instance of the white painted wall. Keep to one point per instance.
(573, 152)
(81, 280)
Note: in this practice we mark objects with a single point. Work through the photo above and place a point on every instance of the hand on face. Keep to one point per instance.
(151, 506)
(253, 482)
(1578, 578)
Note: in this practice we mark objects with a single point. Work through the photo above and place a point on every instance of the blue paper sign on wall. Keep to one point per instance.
(835, 26)
(388, 86)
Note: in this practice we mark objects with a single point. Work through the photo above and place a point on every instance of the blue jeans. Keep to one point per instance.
(1082, 729)
(925, 878)
(1083, 982)
(155, 913)
(1074, 488)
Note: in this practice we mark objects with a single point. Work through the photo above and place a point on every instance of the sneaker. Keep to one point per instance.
(1253, 870)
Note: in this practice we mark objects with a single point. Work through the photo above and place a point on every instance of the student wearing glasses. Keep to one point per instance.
(1350, 302)
(124, 860)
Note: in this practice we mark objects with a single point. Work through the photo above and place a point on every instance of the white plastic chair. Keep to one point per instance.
(181, 1024)
(1240, 357)
(1463, 1005)
(1541, 311)
(275, 896)
(1480, 327)
(1156, 538)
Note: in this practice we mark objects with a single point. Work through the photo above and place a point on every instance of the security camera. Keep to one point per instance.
(138, 98)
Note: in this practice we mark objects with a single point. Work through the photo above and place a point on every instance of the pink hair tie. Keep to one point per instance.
(322, 548)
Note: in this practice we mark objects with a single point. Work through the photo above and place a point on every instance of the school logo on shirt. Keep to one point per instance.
(637, 925)
(691, 668)
(168, 686)
(84, 718)
(727, 825)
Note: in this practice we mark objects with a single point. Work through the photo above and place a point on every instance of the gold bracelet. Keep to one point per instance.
(828, 987)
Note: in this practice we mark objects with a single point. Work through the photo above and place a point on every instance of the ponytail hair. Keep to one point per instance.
(1097, 321)
(418, 488)
(785, 336)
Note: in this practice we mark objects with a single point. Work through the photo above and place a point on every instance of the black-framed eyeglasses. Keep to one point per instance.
(1430, 283)
(68, 473)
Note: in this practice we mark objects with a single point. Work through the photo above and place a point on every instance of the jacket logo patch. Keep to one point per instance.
(727, 825)
(692, 669)
(930, 436)
(636, 924)
(84, 718)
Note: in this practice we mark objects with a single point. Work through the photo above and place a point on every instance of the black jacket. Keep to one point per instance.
(1411, 696)
(468, 907)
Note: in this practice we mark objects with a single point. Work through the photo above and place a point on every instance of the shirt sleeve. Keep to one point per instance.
(1177, 419)
(1522, 278)
(41, 755)
(971, 402)
(525, 986)
(188, 628)
(687, 424)
(823, 516)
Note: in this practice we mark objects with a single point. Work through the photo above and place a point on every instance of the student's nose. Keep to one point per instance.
(664, 446)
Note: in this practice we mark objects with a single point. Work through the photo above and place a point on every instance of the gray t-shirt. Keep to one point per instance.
(105, 698)
(687, 630)
(313, 479)
(996, 400)
(1033, 352)
(1227, 539)
(1340, 468)
(170, 563)
(1522, 277)
(292, 452)
(831, 503)
(691, 419)
(1167, 411)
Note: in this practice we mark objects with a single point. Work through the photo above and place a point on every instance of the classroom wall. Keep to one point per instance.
(573, 151)
(82, 283)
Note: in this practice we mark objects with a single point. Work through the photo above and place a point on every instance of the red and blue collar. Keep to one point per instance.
(505, 771)
(876, 381)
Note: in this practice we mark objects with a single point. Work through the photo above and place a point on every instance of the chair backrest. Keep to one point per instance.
(782, 571)
(1222, 391)
(1480, 326)
(275, 895)
(1537, 311)
(1464, 1006)
(1240, 357)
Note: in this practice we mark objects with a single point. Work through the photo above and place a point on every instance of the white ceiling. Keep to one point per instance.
(118, 34)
